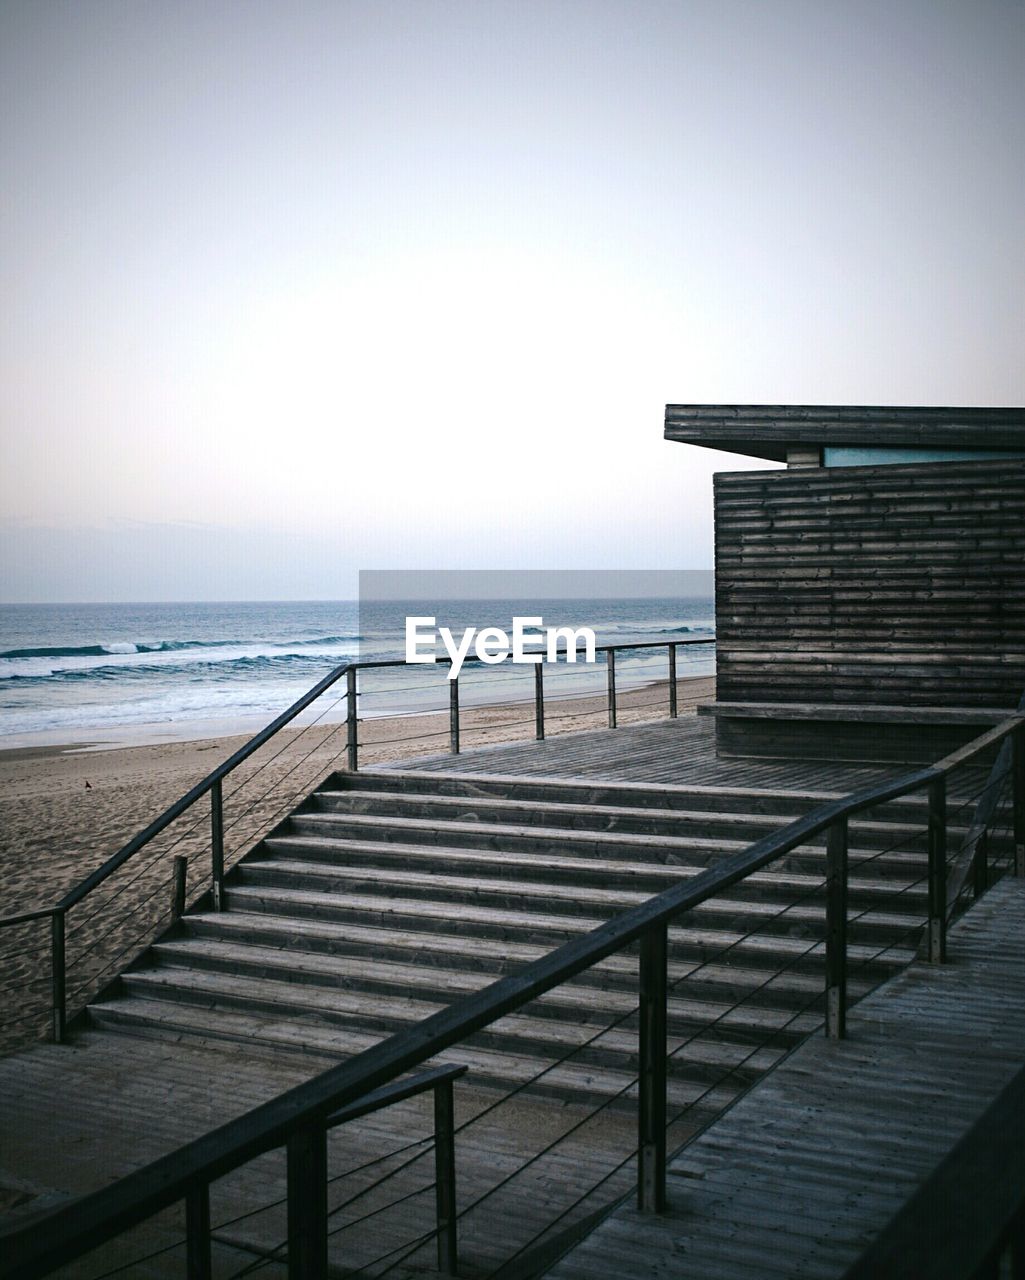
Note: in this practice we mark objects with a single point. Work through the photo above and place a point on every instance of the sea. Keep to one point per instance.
(122, 674)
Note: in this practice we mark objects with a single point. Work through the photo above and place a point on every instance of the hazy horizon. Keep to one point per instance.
(288, 292)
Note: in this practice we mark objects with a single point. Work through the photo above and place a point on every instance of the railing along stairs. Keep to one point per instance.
(299, 1119)
(94, 964)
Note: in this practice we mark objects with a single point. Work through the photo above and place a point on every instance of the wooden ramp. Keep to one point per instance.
(802, 1173)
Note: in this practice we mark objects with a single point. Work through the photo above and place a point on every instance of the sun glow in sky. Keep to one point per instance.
(292, 290)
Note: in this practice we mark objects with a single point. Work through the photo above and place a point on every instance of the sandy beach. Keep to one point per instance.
(64, 810)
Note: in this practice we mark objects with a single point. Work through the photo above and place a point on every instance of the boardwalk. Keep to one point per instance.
(675, 752)
(804, 1171)
(76, 1117)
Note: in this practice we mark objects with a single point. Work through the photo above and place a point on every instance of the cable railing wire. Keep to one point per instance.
(626, 1088)
(263, 1208)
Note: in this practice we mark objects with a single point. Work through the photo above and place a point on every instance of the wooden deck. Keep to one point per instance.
(672, 753)
(805, 1170)
(675, 752)
(78, 1116)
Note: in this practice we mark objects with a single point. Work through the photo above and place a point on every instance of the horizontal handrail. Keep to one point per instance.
(104, 1213)
(216, 775)
(40, 913)
(396, 1091)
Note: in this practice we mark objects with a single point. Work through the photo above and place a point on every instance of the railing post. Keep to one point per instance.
(352, 744)
(836, 930)
(445, 1177)
(453, 715)
(181, 864)
(217, 845)
(938, 871)
(198, 1263)
(307, 1204)
(980, 865)
(672, 682)
(651, 1103)
(58, 977)
(539, 702)
(1018, 797)
(610, 660)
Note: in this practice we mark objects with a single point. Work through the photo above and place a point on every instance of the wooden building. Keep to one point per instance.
(870, 596)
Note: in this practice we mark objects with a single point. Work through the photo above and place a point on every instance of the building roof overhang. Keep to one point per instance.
(768, 431)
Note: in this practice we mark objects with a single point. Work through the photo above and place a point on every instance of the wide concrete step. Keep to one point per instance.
(791, 874)
(736, 974)
(791, 934)
(786, 902)
(767, 1000)
(636, 820)
(571, 1081)
(711, 1047)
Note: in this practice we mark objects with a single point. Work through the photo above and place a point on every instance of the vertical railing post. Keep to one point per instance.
(453, 715)
(651, 1108)
(980, 865)
(198, 1262)
(539, 701)
(672, 682)
(610, 660)
(217, 845)
(836, 930)
(307, 1204)
(445, 1177)
(58, 977)
(938, 871)
(181, 865)
(352, 723)
(1018, 797)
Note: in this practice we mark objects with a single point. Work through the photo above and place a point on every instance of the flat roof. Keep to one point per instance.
(768, 430)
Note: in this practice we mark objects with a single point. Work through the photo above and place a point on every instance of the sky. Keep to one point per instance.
(292, 290)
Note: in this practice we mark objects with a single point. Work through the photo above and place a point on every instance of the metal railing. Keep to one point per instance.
(298, 1119)
(971, 868)
(212, 785)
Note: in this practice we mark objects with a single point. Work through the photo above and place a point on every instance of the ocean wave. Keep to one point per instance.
(164, 646)
(144, 663)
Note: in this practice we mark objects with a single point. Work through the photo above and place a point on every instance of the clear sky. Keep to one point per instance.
(288, 290)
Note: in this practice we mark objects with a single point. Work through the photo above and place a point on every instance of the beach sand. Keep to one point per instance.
(65, 810)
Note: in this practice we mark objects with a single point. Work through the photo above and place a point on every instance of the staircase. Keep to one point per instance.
(387, 895)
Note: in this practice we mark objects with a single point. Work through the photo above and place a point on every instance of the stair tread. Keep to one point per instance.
(548, 891)
(485, 830)
(584, 786)
(593, 813)
(301, 1003)
(486, 1065)
(774, 874)
(359, 974)
(505, 954)
(568, 925)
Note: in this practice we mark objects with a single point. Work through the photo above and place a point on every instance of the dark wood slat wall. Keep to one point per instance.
(767, 431)
(901, 585)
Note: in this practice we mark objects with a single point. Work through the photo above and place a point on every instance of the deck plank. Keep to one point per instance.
(677, 752)
(808, 1166)
(79, 1115)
